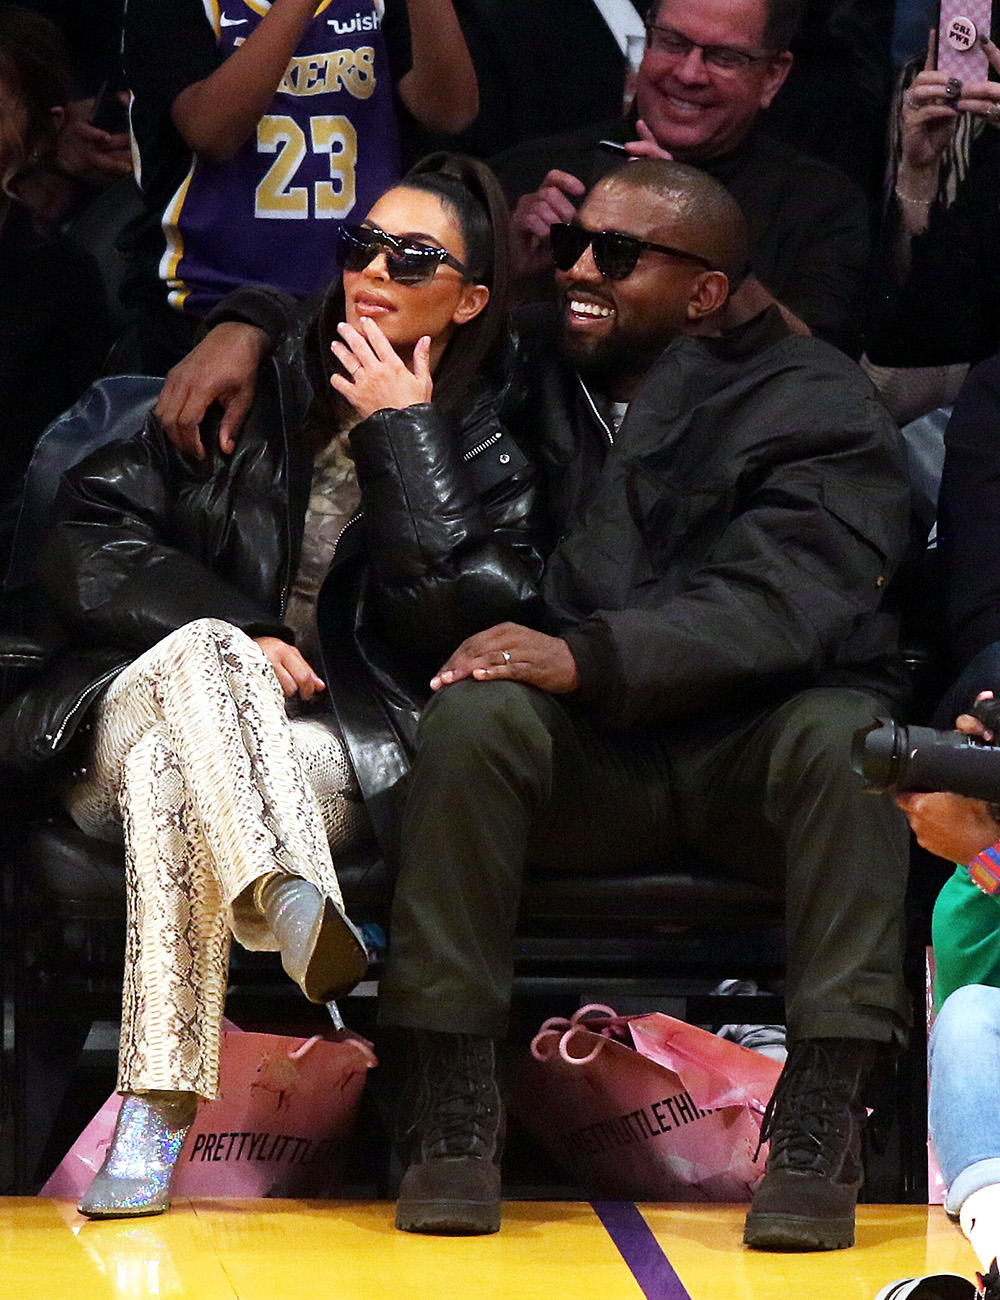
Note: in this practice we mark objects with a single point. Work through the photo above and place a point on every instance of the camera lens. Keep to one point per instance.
(876, 753)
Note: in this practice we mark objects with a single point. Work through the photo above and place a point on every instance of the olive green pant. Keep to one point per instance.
(506, 775)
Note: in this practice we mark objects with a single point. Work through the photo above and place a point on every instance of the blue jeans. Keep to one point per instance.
(965, 1075)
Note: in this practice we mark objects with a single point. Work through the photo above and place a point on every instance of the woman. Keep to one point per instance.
(932, 300)
(226, 809)
(54, 325)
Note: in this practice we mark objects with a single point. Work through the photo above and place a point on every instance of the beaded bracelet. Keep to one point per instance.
(905, 198)
(984, 870)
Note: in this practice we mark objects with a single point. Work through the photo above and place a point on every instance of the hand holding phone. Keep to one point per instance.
(961, 24)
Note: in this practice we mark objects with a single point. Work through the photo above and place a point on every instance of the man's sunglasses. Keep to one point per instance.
(615, 253)
(406, 263)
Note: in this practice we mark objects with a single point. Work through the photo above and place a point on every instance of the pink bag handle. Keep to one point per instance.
(565, 1030)
(370, 1059)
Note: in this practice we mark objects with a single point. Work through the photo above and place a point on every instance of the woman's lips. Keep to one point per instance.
(370, 305)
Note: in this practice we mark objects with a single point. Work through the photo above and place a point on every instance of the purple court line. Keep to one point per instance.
(640, 1250)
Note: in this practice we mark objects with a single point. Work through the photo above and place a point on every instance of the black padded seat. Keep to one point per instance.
(67, 878)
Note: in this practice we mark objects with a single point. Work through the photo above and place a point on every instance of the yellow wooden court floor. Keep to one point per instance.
(343, 1250)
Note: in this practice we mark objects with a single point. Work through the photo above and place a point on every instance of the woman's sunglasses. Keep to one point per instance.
(411, 264)
(615, 253)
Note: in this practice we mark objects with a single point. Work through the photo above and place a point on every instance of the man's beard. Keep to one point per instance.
(606, 362)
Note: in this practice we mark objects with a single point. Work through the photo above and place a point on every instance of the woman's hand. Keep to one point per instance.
(291, 670)
(377, 377)
(929, 121)
(930, 112)
(983, 97)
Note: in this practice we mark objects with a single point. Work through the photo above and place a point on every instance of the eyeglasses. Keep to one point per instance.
(722, 58)
(615, 253)
(410, 264)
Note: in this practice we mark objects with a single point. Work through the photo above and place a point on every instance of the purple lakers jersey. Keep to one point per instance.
(323, 152)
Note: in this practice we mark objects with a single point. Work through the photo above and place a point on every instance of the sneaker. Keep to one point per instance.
(935, 1286)
(769, 1040)
(454, 1137)
(814, 1172)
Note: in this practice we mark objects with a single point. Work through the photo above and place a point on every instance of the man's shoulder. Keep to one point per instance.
(767, 163)
(764, 357)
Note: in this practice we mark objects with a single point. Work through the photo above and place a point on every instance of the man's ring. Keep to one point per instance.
(505, 655)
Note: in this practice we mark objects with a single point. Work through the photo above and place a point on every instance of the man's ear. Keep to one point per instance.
(474, 298)
(708, 293)
(774, 76)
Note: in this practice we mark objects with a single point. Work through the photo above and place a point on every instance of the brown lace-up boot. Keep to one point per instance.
(452, 1136)
(814, 1171)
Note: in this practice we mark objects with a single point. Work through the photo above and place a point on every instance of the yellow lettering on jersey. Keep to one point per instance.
(317, 74)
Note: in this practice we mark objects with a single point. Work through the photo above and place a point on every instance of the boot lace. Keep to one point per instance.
(458, 1110)
(808, 1120)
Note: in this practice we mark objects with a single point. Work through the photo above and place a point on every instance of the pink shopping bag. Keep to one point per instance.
(672, 1113)
(278, 1129)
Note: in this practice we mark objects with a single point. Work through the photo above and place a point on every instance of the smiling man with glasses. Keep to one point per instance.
(710, 68)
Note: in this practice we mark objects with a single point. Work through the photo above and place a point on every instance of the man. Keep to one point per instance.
(730, 508)
(710, 68)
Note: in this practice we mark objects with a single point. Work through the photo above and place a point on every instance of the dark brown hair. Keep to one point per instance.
(33, 67)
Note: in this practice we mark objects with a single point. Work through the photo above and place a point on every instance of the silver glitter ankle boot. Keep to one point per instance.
(320, 948)
(135, 1177)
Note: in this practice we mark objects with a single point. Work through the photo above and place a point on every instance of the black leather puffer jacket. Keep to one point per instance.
(147, 540)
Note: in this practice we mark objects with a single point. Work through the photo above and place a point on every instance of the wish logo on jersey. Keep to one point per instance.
(359, 23)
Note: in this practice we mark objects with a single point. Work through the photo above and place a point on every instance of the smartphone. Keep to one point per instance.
(612, 146)
(110, 114)
(960, 24)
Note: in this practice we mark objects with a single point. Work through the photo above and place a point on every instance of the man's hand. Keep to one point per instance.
(950, 825)
(291, 670)
(379, 379)
(222, 368)
(535, 214)
(510, 652)
(647, 145)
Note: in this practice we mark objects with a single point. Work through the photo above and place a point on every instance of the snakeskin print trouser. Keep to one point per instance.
(196, 764)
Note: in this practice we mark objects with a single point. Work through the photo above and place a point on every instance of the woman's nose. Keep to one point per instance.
(378, 267)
